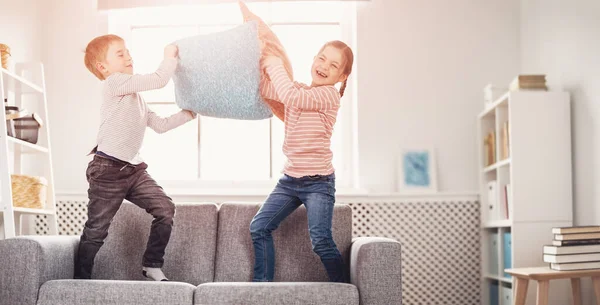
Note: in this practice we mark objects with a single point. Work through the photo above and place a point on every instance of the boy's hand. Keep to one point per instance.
(171, 51)
(270, 61)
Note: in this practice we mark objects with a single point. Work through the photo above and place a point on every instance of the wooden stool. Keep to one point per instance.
(543, 275)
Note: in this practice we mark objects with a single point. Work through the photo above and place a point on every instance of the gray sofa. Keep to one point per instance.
(209, 261)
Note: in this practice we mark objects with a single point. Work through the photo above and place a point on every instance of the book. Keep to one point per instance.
(505, 202)
(577, 236)
(486, 149)
(508, 200)
(489, 143)
(574, 266)
(506, 294)
(505, 146)
(507, 243)
(571, 243)
(572, 258)
(530, 77)
(494, 293)
(493, 146)
(535, 82)
(557, 250)
(493, 212)
(578, 229)
(493, 253)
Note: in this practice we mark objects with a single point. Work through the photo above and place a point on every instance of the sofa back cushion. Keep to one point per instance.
(294, 259)
(190, 254)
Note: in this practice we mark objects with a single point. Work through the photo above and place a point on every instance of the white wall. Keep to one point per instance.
(20, 29)
(73, 93)
(56, 33)
(421, 69)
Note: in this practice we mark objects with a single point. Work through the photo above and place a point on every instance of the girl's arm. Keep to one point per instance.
(267, 90)
(316, 98)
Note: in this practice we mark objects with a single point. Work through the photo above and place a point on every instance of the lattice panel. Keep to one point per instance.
(72, 216)
(440, 243)
(440, 247)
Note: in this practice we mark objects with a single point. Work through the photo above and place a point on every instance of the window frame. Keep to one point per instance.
(348, 179)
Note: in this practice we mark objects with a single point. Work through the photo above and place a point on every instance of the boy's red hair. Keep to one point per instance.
(96, 52)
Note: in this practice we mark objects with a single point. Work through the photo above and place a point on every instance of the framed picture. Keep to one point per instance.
(417, 171)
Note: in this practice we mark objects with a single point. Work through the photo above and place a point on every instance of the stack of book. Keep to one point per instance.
(529, 82)
(574, 248)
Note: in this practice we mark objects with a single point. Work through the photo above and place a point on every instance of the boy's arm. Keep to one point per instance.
(316, 98)
(123, 84)
(162, 125)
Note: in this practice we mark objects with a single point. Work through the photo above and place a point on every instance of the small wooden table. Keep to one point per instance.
(543, 275)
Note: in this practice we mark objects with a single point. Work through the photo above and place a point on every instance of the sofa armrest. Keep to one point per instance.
(26, 262)
(375, 268)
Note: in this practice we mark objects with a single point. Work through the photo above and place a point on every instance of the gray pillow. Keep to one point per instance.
(218, 74)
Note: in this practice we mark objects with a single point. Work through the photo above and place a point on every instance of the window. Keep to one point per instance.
(220, 150)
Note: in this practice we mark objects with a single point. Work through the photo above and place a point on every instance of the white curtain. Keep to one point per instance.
(120, 4)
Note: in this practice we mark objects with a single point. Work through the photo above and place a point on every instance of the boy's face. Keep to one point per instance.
(117, 60)
(327, 67)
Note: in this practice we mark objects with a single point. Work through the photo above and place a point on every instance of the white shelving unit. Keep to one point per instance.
(537, 167)
(21, 157)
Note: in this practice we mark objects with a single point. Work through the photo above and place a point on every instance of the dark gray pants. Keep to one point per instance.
(110, 182)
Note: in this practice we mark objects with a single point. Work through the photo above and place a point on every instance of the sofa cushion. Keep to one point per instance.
(294, 259)
(189, 256)
(84, 292)
(276, 293)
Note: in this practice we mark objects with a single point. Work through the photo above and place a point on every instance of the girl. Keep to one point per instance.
(309, 179)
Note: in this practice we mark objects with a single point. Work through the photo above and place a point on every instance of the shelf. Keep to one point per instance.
(25, 83)
(503, 223)
(532, 210)
(30, 147)
(499, 278)
(15, 77)
(497, 103)
(497, 165)
(33, 211)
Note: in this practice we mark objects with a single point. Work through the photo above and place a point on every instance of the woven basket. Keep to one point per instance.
(4, 55)
(29, 191)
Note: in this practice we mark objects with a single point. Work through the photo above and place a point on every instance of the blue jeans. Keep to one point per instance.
(317, 193)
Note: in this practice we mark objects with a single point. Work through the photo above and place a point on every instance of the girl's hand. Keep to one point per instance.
(270, 61)
(192, 114)
(171, 51)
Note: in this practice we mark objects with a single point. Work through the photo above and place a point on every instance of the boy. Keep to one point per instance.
(117, 172)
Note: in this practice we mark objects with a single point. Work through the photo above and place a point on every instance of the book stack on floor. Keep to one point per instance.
(574, 248)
